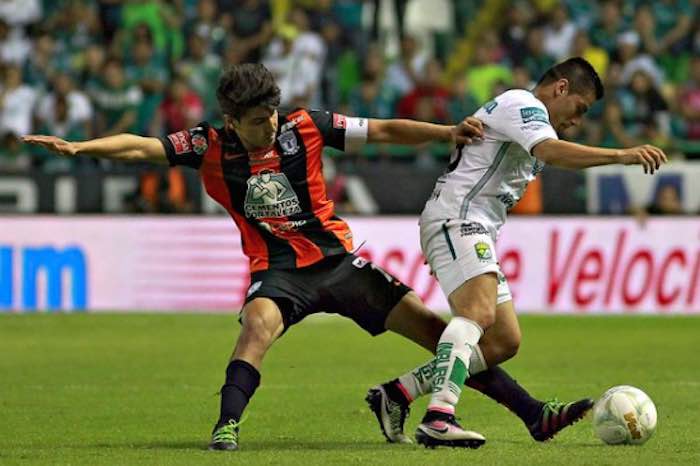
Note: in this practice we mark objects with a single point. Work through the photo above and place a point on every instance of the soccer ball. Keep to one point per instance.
(624, 415)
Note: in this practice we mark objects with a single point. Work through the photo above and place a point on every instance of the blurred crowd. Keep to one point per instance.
(80, 69)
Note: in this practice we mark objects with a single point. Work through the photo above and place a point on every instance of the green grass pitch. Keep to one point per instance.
(140, 389)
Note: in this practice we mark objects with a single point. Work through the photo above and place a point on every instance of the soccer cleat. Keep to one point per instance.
(390, 414)
(556, 415)
(445, 431)
(225, 436)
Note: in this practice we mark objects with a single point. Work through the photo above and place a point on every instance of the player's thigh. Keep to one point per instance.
(462, 255)
(361, 291)
(412, 319)
(501, 341)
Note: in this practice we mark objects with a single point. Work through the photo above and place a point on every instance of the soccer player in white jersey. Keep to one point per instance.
(458, 230)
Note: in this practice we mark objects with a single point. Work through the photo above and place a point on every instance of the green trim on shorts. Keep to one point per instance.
(449, 241)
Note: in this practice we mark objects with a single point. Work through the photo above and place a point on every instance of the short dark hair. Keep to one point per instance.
(244, 86)
(581, 75)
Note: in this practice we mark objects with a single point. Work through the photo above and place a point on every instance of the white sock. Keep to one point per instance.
(477, 362)
(419, 381)
(454, 351)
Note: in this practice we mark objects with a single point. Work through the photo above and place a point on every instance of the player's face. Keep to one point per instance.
(257, 128)
(566, 109)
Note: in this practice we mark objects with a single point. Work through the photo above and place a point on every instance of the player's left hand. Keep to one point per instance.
(52, 143)
(467, 131)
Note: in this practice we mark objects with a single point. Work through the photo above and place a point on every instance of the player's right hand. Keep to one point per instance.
(52, 143)
(648, 156)
(467, 131)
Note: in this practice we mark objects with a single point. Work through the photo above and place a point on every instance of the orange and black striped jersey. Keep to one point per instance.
(276, 196)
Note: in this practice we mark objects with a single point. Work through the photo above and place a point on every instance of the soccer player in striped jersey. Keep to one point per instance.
(264, 167)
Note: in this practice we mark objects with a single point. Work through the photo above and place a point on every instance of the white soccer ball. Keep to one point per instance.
(624, 415)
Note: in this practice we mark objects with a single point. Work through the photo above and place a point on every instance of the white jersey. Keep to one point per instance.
(487, 178)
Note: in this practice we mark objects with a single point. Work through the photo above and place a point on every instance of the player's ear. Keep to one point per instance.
(562, 87)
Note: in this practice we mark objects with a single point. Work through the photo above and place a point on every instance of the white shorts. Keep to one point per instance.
(458, 250)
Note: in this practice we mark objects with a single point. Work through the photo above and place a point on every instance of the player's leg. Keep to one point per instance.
(501, 342)
(473, 305)
(262, 324)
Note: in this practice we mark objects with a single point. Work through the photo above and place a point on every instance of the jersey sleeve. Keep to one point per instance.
(519, 117)
(187, 147)
(339, 131)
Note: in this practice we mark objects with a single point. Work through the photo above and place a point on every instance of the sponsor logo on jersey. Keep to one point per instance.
(283, 227)
(270, 195)
(339, 121)
(472, 228)
(292, 123)
(288, 142)
(180, 142)
(199, 144)
(483, 251)
(529, 114)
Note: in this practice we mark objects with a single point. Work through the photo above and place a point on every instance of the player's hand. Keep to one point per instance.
(467, 131)
(648, 156)
(52, 143)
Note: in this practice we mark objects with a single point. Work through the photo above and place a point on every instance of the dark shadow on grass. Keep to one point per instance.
(550, 444)
(256, 445)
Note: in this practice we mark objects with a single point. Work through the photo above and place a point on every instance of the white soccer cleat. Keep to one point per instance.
(447, 432)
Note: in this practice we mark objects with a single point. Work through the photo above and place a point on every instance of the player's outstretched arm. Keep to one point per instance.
(127, 147)
(412, 132)
(571, 155)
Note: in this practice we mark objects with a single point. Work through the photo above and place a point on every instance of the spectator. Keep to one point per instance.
(666, 202)
(485, 75)
(311, 49)
(208, 23)
(44, 62)
(514, 33)
(609, 26)
(559, 33)
(636, 109)
(67, 113)
(160, 18)
(202, 68)
(462, 103)
(181, 107)
(14, 47)
(536, 60)
(252, 26)
(372, 99)
(596, 56)
(689, 102)
(151, 75)
(429, 93)
(403, 74)
(16, 103)
(90, 73)
(632, 61)
(664, 25)
(18, 14)
(117, 101)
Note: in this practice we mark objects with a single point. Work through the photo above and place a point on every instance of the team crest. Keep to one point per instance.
(483, 251)
(199, 144)
(288, 142)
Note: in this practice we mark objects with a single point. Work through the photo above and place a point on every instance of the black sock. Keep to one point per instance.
(241, 381)
(498, 385)
(394, 392)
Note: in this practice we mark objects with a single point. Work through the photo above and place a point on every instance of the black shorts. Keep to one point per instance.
(345, 284)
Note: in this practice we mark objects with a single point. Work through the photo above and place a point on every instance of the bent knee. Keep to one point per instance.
(509, 347)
